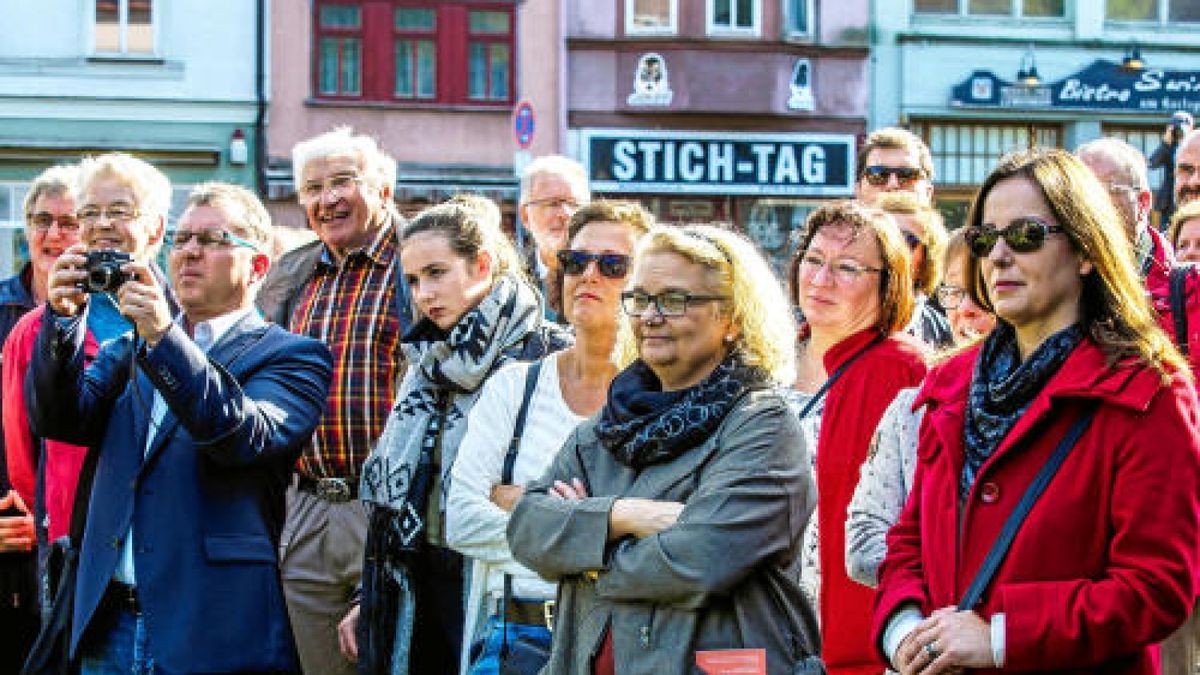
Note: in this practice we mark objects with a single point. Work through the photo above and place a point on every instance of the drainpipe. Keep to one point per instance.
(260, 120)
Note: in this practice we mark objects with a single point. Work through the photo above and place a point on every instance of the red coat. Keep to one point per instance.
(64, 460)
(1105, 565)
(1158, 285)
(854, 405)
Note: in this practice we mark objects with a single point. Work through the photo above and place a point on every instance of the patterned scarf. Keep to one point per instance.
(642, 425)
(446, 372)
(1003, 387)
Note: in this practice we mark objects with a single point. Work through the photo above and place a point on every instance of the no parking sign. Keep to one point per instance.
(523, 125)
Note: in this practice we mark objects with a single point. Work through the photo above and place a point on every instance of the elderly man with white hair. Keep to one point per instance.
(346, 290)
(553, 188)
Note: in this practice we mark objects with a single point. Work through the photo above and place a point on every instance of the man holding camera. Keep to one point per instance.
(197, 420)
(1164, 158)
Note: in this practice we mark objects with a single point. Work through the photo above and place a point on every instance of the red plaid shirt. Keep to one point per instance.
(351, 307)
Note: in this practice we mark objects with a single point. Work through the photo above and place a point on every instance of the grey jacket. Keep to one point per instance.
(723, 577)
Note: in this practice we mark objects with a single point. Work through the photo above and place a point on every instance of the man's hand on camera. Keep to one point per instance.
(142, 301)
(66, 296)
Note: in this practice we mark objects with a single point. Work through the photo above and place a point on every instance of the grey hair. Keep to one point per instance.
(555, 165)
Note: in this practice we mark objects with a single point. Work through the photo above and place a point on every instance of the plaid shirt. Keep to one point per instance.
(351, 308)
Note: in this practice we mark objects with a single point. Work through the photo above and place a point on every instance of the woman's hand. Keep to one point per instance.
(572, 492)
(641, 518)
(949, 641)
(16, 530)
(506, 496)
(347, 638)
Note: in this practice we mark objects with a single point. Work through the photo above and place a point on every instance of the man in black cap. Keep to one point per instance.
(1164, 158)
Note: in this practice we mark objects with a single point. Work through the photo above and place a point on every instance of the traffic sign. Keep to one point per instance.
(523, 125)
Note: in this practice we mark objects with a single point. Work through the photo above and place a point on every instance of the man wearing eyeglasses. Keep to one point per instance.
(553, 188)
(894, 160)
(50, 227)
(197, 419)
(346, 290)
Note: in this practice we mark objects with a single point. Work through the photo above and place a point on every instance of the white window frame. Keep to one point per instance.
(754, 30)
(631, 29)
(1016, 11)
(156, 10)
(808, 34)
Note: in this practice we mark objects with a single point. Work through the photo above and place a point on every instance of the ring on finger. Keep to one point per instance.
(931, 650)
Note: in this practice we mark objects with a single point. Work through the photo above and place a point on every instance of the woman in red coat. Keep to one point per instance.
(1105, 564)
(851, 277)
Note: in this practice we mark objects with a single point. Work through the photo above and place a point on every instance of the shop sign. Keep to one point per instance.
(1102, 86)
(628, 160)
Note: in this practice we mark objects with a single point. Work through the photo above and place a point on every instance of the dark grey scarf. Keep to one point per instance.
(1003, 387)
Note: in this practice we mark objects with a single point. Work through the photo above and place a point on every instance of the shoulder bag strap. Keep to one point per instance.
(841, 370)
(1000, 548)
(1178, 289)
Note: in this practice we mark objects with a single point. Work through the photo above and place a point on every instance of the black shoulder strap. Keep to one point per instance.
(1000, 548)
(1178, 289)
(812, 402)
(510, 458)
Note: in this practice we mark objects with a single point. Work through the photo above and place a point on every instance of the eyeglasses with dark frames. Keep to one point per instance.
(1024, 235)
(667, 303)
(906, 176)
(950, 296)
(611, 265)
(42, 221)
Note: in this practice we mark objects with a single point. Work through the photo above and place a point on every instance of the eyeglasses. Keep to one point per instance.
(1024, 235)
(842, 271)
(208, 239)
(341, 186)
(43, 221)
(667, 303)
(906, 176)
(911, 239)
(116, 213)
(611, 265)
(554, 203)
(950, 296)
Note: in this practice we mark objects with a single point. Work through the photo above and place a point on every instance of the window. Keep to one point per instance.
(1145, 139)
(124, 27)
(964, 153)
(455, 53)
(733, 17)
(650, 17)
(1053, 9)
(1159, 11)
(797, 17)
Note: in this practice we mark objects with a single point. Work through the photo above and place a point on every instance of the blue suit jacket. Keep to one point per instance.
(207, 500)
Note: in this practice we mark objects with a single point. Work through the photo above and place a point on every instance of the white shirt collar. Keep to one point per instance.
(216, 327)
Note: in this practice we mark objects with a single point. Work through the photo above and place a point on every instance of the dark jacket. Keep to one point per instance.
(723, 577)
(16, 298)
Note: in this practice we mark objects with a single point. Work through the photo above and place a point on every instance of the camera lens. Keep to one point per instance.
(100, 279)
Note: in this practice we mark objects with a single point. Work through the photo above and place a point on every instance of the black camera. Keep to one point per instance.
(104, 273)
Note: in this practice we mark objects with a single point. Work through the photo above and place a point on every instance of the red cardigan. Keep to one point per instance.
(63, 460)
(1158, 285)
(854, 405)
(1105, 565)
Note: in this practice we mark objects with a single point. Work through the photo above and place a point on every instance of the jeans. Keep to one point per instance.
(488, 662)
(120, 646)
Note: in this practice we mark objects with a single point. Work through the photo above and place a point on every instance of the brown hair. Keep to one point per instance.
(614, 211)
(471, 228)
(895, 138)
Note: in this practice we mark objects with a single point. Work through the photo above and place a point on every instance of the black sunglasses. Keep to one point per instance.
(611, 265)
(877, 175)
(1025, 235)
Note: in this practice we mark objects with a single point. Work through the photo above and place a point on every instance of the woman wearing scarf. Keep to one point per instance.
(672, 519)
(476, 314)
(851, 278)
(1105, 563)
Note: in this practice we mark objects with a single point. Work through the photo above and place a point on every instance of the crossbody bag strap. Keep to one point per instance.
(1004, 541)
(506, 475)
(841, 370)
(1178, 293)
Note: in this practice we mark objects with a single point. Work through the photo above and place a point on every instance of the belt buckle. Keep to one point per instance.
(332, 490)
(548, 614)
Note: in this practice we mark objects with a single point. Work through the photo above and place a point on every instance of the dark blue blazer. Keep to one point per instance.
(207, 500)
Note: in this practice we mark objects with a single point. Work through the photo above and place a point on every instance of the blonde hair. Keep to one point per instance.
(151, 188)
(245, 212)
(756, 304)
(378, 167)
(1113, 304)
(57, 181)
(897, 300)
(1189, 211)
(906, 204)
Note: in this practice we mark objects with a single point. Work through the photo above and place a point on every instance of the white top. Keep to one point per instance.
(475, 526)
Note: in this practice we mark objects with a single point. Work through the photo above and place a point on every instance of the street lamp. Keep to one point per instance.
(1133, 59)
(1028, 76)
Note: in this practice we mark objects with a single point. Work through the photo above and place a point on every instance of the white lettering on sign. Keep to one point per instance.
(624, 163)
(1074, 90)
(649, 152)
(720, 158)
(691, 162)
(763, 152)
(813, 162)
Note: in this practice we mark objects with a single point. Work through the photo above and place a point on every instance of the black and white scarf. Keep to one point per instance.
(446, 371)
(1002, 388)
(642, 425)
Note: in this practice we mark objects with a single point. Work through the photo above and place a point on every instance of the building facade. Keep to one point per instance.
(977, 78)
(172, 82)
(743, 112)
(436, 82)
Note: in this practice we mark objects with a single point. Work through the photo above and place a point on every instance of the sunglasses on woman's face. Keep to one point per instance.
(1025, 235)
(906, 176)
(611, 265)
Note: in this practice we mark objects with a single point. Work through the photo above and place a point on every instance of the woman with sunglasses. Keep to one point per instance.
(672, 519)
(569, 387)
(888, 472)
(476, 314)
(1104, 565)
(852, 278)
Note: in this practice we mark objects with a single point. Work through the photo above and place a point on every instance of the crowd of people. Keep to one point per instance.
(410, 447)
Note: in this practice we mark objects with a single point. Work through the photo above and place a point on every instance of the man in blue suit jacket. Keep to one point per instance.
(197, 420)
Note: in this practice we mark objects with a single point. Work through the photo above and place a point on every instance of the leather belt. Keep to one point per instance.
(335, 490)
(122, 596)
(530, 613)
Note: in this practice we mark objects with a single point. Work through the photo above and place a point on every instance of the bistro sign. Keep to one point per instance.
(628, 160)
(1102, 86)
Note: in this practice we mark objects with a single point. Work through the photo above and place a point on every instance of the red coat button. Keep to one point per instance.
(989, 493)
